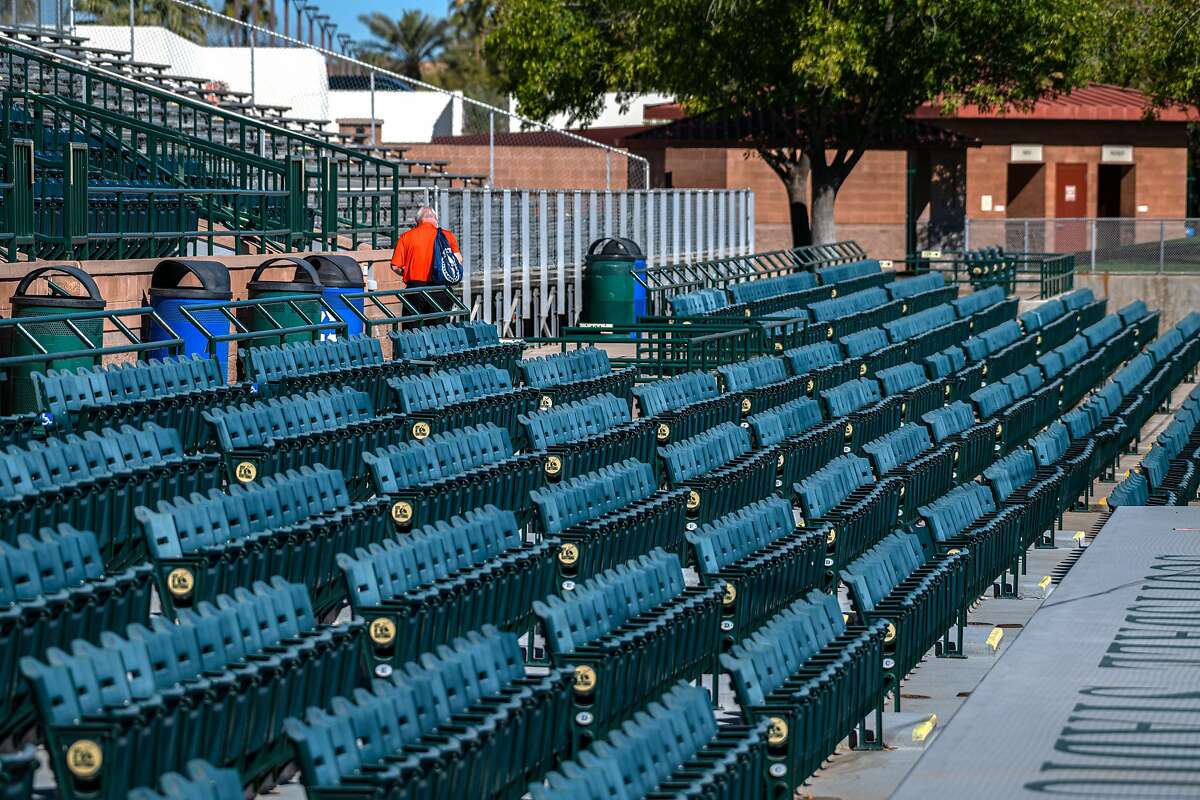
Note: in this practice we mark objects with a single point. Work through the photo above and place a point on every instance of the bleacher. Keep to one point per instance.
(131, 160)
(455, 571)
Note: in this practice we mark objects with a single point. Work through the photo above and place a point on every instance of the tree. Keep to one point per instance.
(824, 78)
(404, 44)
(186, 22)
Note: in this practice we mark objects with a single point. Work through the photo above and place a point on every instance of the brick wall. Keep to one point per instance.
(521, 167)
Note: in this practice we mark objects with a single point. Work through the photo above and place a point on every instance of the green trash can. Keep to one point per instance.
(304, 281)
(610, 294)
(54, 337)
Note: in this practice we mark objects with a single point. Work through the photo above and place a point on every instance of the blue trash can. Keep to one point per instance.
(206, 282)
(340, 275)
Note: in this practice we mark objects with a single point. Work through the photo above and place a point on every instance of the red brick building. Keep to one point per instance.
(1091, 153)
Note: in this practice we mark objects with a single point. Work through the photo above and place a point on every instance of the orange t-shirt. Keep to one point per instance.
(413, 255)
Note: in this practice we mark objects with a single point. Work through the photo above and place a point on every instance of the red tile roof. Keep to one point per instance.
(1098, 102)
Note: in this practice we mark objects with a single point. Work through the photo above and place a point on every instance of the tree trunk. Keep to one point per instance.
(824, 194)
(796, 183)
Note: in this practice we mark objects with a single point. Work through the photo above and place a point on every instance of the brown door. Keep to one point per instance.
(1070, 201)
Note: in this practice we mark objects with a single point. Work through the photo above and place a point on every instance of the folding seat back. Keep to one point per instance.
(837, 307)
(702, 453)
(864, 342)
(802, 360)
(570, 422)
(1001, 336)
(418, 462)
(992, 399)
(850, 397)
(944, 422)
(907, 287)
(752, 374)
(977, 301)
(838, 273)
(674, 393)
(1102, 331)
(1051, 444)
(592, 495)
(735, 536)
(898, 447)
(1133, 312)
(429, 391)
(1078, 298)
(901, 378)
(1134, 490)
(1162, 347)
(821, 492)
(1011, 472)
(776, 424)
(957, 509)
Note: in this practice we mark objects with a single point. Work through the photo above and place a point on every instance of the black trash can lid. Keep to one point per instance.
(616, 246)
(338, 271)
(58, 296)
(212, 275)
(304, 279)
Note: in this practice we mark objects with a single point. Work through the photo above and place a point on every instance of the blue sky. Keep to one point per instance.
(345, 12)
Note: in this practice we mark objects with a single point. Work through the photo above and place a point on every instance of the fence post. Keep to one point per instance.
(253, 99)
(1162, 243)
(577, 251)
(607, 170)
(749, 222)
(486, 240)
(491, 148)
(467, 247)
(75, 199)
(131, 26)
(374, 137)
(1095, 232)
(506, 254)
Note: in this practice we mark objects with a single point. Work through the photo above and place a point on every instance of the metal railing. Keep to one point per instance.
(1127, 244)
(1032, 275)
(524, 250)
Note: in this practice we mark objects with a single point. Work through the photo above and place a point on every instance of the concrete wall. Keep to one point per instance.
(1174, 295)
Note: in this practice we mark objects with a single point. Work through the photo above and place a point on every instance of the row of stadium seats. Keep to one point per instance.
(913, 483)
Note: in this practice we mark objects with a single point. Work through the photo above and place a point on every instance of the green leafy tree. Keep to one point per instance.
(403, 44)
(186, 22)
(820, 81)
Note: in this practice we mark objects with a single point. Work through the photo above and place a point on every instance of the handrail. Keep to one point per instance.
(450, 306)
(19, 326)
(334, 323)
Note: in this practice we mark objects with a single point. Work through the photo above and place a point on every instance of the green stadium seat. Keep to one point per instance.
(919, 600)
(815, 681)
(967, 519)
(216, 685)
(17, 770)
(761, 383)
(685, 405)
(823, 366)
(849, 507)
(873, 348)
(674, 748)
(292, 525)
(438, 582)
(865, 412)
(802, 442)
(720, 471)
(450, 473)
(94, 482)
(54, 589)
(356, 362)
(638, 619)
(585, 435)
(919, 395)
(1016, 479)
(202, 781)
(606, 517)
(458, 344)
(461, 722)
(333, 427)
(172, 392)
(576, 375)
(762, 561)
(910, 455)
(455, 398)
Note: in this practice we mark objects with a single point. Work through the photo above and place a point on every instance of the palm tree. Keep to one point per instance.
(187, 22)
(403, 44)
(251, 12)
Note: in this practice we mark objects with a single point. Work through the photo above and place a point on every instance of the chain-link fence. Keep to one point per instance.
(1111, 244)
(286, 63)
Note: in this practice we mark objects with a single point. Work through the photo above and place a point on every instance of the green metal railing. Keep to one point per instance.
(268, 310)
(137, 132)
(1050, 273)
(390, 309)
(659, 351)
(667, 280)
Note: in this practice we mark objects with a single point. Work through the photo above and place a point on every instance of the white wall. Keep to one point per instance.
(285, 76)
(415, 116)
(611, 116)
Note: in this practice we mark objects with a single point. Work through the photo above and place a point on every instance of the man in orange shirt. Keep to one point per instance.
(412, 259)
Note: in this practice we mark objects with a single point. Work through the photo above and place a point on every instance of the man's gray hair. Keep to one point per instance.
(426, 212)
